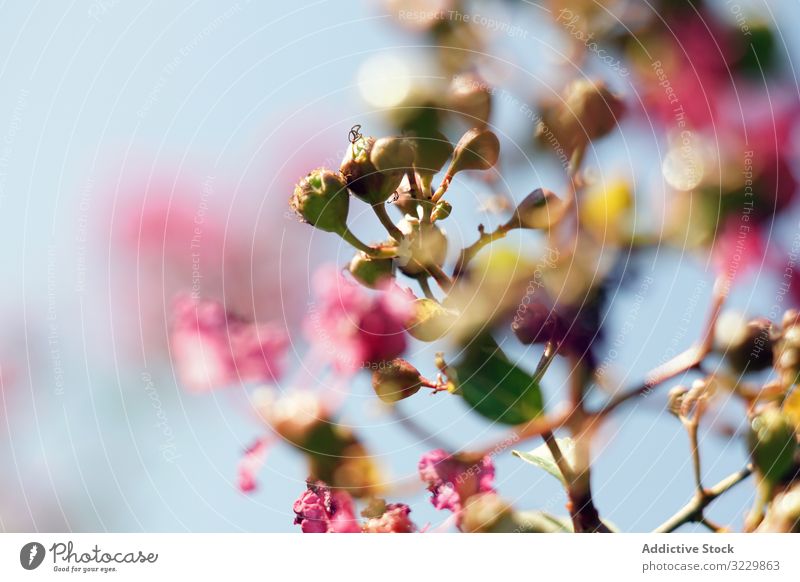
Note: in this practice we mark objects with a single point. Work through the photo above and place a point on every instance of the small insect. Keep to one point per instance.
(355, 133)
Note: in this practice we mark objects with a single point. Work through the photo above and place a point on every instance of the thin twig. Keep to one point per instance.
(693, 511)
(468, 253)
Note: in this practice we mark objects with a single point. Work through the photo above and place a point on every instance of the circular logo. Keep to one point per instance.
(31, 555)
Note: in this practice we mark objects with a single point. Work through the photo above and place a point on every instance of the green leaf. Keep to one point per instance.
(543, 458)
(494, 387)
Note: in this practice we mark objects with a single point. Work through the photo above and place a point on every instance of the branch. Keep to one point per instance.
(693, 511)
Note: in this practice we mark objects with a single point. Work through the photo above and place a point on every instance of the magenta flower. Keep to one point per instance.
(212, 348)
(454, 479)
(351, 327)
(320, 510)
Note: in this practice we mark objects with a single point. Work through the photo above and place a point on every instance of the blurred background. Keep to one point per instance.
(123, 125)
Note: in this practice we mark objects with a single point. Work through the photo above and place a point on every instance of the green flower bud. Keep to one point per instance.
(395, 380)
(363, 178)
(772, 444)
(371, 272)
(442, 210)
(433, 149)
(392, 155)
(424, 245)
(321, 199)
(539, 209)
(478, 149)
(430, 320)
(746, 345)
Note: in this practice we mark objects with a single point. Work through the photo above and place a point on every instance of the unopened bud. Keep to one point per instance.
(539, 209)
(471, 96)
(592, 107)
(432, 151)
(746, 345)
(395, 380)
(539, 324)
(363, 178)
(321, 199)
(484, 513)
(430, 321)
(442, 210)
(392, 154)
(478, 149)
(772, 444)
(370, 272)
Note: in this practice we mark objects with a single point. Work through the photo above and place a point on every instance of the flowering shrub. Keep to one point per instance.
(413, 287)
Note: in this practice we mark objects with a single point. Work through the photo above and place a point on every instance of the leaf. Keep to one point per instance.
(494, 387)
(543, 458)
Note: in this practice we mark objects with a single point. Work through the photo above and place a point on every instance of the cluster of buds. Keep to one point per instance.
(373, 171)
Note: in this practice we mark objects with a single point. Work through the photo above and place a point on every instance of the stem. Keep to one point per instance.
(683, 362)
(693, 511)
(386, 221)
(691, 428)
(441, 278)
(442, 189)
(468, 253)
(558, 456)
(375, 253)
(425, 286)
(550, 351)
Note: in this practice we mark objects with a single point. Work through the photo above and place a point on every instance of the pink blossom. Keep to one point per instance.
(395, 519)
(320, 510)
(352, 327)
(454, 479)
(251, 463)
(739, 249)
(212, 348)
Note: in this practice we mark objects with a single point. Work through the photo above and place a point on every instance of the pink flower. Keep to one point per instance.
(352, 327)
(395, 519)
(251, 463)
(212, 348)
(454, 479)
(320, 510)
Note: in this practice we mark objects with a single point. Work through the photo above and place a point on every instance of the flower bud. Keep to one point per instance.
(787, 349)
(478, 149)
(591, 108)
(539, 209)
(321, 199)
(471, 96)
(484, 513)
(432, 151)
(430, 320)
(363, 178)
(424, 246)
(395, 380)
(392, 155)
(442, 210)
(746, 345)
(772, 444)
(370, 272)
(539, 324)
